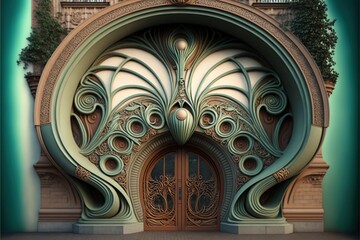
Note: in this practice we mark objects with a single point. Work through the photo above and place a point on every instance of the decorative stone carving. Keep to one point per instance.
(181, 125)
(315, 180)
(278, 11)
(82, 173)
(281, 175)
(163, 67)
(330, 86)
(59, 201)
(181, 2)
(33, 81)
(303, 198)
(47, 179)
(74, 14)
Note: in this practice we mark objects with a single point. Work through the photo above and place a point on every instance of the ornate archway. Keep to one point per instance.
(123, 78)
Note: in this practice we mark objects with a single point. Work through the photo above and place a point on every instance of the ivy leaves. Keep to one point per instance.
(316, 31)
(44, 38)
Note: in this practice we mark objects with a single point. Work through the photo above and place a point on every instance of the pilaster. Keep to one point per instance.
(303, 199)
(60, 204)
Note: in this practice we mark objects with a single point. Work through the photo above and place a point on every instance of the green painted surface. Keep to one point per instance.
(339, 148)
(19, 144)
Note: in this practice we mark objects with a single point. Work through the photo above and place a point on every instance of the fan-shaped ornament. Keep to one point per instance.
(181, 125)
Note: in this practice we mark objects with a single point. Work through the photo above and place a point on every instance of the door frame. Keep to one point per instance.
(181, 152)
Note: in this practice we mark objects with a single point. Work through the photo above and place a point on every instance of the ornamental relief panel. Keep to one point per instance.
(181, 79)
(71, 17)
(72, 13)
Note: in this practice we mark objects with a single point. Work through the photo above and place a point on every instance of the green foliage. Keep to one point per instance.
(312, 26)
(43, 39)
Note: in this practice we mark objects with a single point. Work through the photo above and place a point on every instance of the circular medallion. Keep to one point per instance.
(242, 144)
(121, 143)
(111, 165)
(250, 165)
(155, 119)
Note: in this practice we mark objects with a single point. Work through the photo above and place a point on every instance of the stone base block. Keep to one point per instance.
(283, 228)
(308, 226)
(93, 228)
(55, 226)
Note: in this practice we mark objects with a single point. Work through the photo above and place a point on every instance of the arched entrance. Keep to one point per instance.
(122, 79)
(181, 190)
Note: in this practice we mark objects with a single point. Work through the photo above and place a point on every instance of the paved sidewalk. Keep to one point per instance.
(177, 236)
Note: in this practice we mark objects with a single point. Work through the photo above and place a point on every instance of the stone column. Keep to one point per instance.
(60, 204)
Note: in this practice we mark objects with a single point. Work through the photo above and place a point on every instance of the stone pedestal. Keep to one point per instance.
(281, 228)
(60, 204)
(108, 228)
(303, 199)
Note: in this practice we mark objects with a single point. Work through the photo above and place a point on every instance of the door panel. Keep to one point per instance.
(181, 192)
(202, 193)
(159, 194)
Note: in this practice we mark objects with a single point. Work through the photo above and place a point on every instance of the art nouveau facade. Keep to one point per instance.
(179, 115)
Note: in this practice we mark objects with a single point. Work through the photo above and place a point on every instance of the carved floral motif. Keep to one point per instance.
(82, 173)
(199, 191)
(281, 175)
(47, 179)
(313, 179)
(160, 201)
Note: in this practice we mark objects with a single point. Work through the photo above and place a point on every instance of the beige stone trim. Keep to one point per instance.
(303, 198)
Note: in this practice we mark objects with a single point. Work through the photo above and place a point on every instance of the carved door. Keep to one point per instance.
(181, 191)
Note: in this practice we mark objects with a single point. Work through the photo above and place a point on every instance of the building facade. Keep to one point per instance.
(180, 115)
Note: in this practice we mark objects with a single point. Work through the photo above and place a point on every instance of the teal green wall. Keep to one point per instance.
(19, 145)
(20, 150)
(341, 183)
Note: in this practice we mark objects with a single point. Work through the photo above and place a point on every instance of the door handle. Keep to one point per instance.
(179, 193)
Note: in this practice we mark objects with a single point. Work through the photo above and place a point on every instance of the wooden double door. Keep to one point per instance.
(181, 191)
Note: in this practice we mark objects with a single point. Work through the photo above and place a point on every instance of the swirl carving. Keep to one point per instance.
(201, 190)
(160, 195)
(182, 79)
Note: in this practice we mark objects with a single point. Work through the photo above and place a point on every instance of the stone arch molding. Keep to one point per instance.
(70, 94)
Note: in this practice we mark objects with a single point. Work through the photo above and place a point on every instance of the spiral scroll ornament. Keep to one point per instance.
(184, 79)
